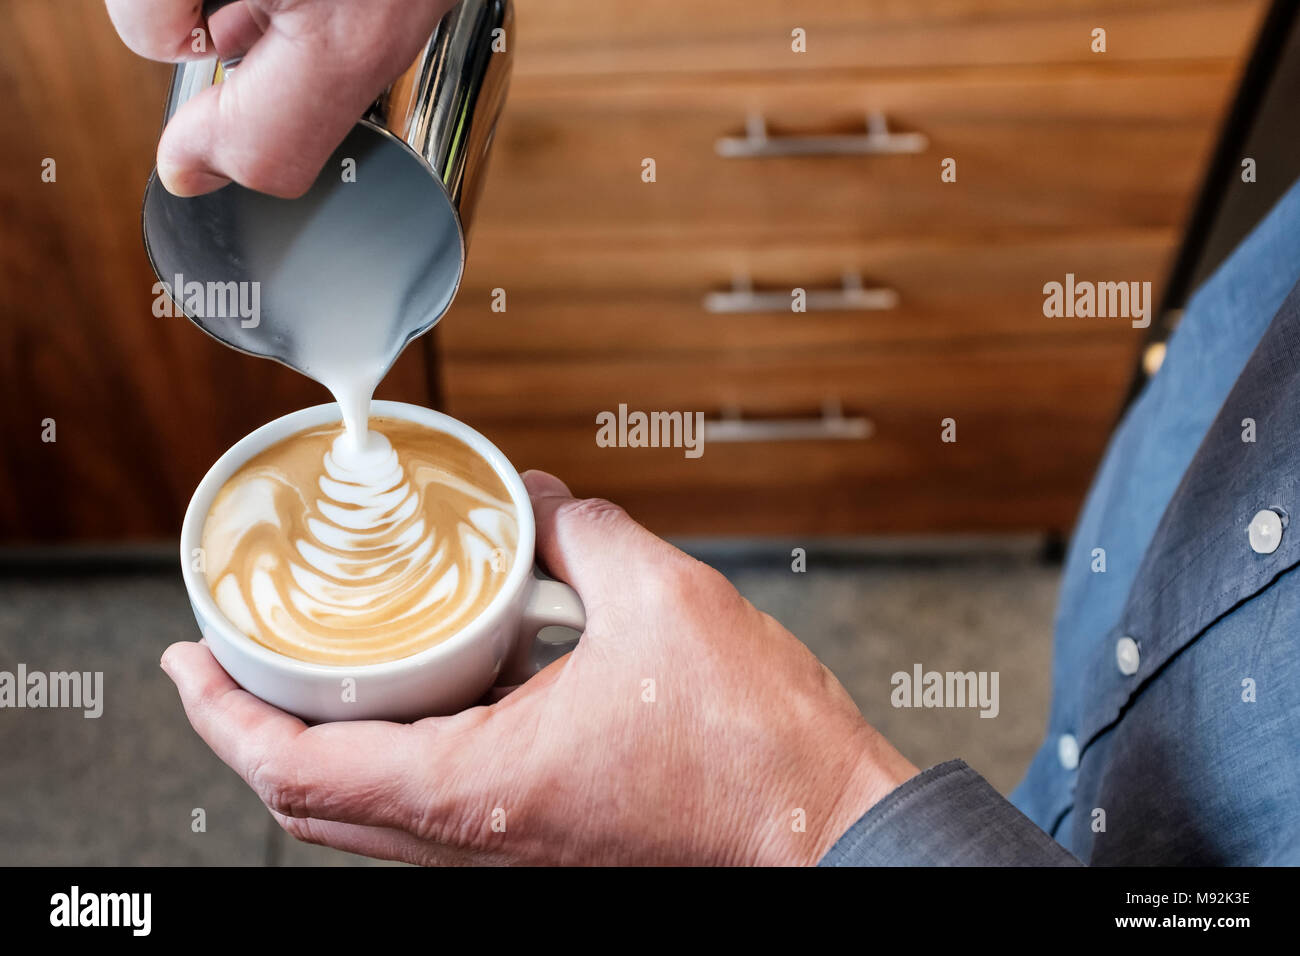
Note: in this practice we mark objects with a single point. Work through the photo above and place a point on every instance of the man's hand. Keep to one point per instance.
(310, 69)
(744, 749)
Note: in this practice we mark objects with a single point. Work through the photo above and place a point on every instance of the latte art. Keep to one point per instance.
(326, 552)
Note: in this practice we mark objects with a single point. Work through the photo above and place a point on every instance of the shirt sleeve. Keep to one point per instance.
(947, 816)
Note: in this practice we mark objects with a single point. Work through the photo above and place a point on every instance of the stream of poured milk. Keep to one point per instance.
(349, 272)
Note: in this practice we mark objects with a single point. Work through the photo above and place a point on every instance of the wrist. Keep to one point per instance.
(871, 770)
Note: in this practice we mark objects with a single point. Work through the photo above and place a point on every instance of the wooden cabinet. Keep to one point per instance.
(1036, 148)
(1067, 162)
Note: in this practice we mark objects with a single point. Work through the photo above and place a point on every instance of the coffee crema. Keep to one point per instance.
(328, 552)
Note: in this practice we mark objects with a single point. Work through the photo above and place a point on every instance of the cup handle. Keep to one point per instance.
(548, 604)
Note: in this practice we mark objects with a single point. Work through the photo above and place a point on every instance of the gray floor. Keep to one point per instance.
(123, 789)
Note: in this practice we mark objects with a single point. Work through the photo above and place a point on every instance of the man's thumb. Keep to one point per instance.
(591, 544)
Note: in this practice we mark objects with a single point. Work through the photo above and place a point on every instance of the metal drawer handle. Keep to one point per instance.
(878, 140)
(831, 425)
(851, 296)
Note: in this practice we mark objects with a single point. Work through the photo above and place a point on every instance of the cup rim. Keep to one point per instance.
(285, 426)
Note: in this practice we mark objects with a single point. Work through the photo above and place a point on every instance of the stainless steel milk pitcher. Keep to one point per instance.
(397, 225)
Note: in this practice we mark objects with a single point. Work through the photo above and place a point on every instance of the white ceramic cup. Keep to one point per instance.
(497, 647)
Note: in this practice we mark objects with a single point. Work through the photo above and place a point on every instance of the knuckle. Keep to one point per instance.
(596, 511)
(709, 606)
(302, 829)
(444, 822)
(428, 823)
(674, 582)
(424, 815)
(695, 581)
(590, 520)
(279, 790)
(264, 173)
(257, 158)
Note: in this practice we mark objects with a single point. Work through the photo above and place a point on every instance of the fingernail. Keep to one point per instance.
(544, 484)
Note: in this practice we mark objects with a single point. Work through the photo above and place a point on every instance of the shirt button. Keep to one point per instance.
(1127, 656)
(1265, 531)
(1067, 749)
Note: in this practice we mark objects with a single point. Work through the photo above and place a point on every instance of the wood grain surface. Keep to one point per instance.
(1067, 161)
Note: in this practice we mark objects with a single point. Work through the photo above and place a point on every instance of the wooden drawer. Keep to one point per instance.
(612, 36)
(612, 300)
(588, 329)
(1058, 149)
(929, 379)
(1031, 422)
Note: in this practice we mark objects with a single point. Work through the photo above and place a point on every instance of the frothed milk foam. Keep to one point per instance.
(337, 552)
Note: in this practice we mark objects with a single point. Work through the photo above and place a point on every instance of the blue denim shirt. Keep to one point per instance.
(1174, 732)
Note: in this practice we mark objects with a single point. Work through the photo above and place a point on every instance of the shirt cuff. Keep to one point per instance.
(947, 816)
